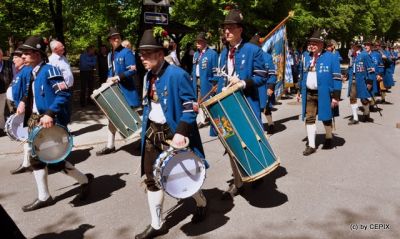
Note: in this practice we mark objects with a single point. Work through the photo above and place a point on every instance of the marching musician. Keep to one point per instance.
(244, 64)
(169, 113)
(205, 60)
(19, 89)
(266, 91)
(321, 85)
(361, 80)
(44, 104)
(387, 81)
(121, 70)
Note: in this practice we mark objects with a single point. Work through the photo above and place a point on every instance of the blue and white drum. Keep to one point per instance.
(180, 173)
(51, 145)
(15, 127)
(241, 133)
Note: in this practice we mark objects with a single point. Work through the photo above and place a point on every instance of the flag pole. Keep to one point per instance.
(291, 14)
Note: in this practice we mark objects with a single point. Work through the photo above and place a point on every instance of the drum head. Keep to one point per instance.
(51, 145)
(182, 174)
(17, 128)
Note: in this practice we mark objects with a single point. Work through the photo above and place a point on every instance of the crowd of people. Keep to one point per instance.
(41, 86)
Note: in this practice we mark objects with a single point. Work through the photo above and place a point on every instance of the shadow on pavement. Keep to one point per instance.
(264, 193)
(77, 156)
(216, 210)
(101, 188)
(132, 148)
(87, 129)
(320, 139)
(89, 112)
(77, 233)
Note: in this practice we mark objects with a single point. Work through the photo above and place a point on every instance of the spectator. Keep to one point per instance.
(102, 64)
(58, 59)
(87, 63)
(6, 76)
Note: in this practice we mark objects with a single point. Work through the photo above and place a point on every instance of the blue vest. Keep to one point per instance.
(21, 83)
(207, 63)
(178, 102)
(328, 82)
(363, 69)
(123, 60)
(249, 66)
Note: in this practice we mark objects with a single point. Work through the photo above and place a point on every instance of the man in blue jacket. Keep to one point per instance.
(266, 91)
(361, 82)
(244, 65)
(321, 85)
(44, 104)
(169, 113)
(121, 70)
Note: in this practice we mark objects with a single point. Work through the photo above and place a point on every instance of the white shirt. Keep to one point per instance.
(62, 63)
(34, 72)
(175, 58)
(156, 113)
(231, 65)
(312, 80)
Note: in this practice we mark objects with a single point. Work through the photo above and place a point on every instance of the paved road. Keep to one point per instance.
(330, 194)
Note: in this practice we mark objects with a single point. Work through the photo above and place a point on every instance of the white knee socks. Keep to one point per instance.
(110, 139)
(41, 184)
(156, 200)
(27, 153)
(354, 108)
(311, 133)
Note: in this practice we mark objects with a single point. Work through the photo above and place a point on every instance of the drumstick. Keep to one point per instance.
(214, 88)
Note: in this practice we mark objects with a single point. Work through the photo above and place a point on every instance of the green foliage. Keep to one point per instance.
(87, 22)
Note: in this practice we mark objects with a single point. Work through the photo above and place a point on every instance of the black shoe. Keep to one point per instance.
(231, 192)
(199, 215)
(327, 144)
(21, 169)
(309, 150)
(38, 204)
(150, 232)
(353, 122)
(85, 188)
(105, 150)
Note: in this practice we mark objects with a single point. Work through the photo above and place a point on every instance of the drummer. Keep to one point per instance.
(244, 65)
(169, 113)
(19, 87)
(121, 70)
(45, 104)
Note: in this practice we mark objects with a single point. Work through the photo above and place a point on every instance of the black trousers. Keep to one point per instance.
(87, 84)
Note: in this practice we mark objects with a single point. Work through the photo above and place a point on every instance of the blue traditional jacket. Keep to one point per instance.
(363, 71)
(329, 83)
(266, 100)
(50, 99)
(207, 61)
(178, 102)
(123, 59)
(249, 66)
(21, 83)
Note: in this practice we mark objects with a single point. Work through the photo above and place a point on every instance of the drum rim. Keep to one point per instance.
(34, 133)
(102, 88)
(170, 155)
(222, 95)
(8, 128)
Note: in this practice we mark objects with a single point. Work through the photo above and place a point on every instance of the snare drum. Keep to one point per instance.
(112, 102)
(51, 145)
(240, 132)
(180, 173)
(15, 127)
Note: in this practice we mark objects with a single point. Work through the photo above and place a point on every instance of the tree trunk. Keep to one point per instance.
(57, 17)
